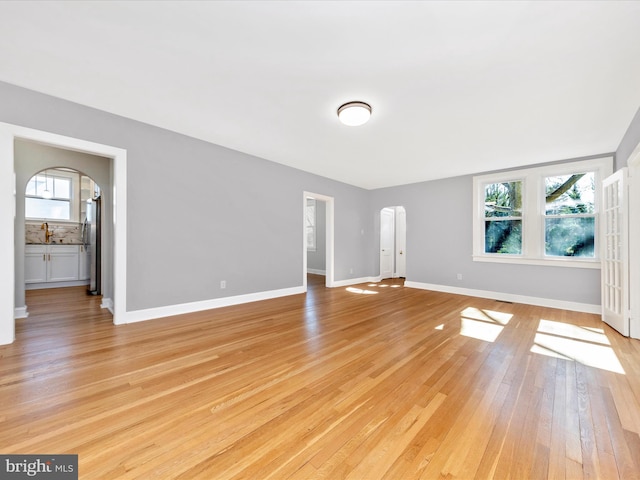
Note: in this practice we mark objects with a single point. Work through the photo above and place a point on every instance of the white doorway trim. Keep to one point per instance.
(329, 216)
(387, 242)
(8, 133)
(396, 242)
(634, 242)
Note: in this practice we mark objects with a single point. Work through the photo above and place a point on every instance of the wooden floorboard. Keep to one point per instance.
(377, 381)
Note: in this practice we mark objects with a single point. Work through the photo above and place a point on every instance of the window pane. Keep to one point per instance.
(503, 199)
(311, 238)
(570, 237)
(570, 194)
(49, 209)
(310, 221)
(503, 236)
(62, 188)
(32, 186)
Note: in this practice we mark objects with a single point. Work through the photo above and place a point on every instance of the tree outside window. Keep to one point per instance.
(544, 215)
(570, 215)
(503, 218)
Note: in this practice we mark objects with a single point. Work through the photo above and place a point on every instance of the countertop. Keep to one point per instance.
(56, 243)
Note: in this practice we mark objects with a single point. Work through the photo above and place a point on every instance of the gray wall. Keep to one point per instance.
(440, 245)
(198, 213)
(629, 141)
(31, 158)
(318, 260)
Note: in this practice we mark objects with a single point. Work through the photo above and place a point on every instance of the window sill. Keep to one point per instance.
(548, 262)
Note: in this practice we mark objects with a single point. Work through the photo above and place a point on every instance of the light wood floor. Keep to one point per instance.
(378, 382)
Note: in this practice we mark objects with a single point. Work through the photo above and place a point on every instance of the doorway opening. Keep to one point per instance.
(12, 233)
(393, 242)
(63, 230)
(318, 244)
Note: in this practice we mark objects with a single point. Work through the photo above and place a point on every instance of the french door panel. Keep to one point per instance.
(615, 252)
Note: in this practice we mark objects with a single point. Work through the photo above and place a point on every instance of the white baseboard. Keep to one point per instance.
(354, 281)
(170, 310)
(108, 304)
(20, 312)
(507, 297)
(40, 286)
(316, 272)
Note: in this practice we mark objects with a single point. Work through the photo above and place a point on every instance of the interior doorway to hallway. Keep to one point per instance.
(393, 242)
(318, 228)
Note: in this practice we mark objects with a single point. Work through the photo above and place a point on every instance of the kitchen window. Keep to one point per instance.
(56, 205)
(544, 215)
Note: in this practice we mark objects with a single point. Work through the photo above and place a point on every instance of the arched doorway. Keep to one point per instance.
(63, 230)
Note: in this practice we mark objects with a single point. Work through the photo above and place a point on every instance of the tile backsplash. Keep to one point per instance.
(70, 233)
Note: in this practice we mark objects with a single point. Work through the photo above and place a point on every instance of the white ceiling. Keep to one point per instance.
(456, 87)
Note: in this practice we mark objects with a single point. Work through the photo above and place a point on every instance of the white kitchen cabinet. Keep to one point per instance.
(51, 263)
(63, 263)
(35, 263)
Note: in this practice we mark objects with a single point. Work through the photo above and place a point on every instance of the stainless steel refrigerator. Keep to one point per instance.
(93, 236)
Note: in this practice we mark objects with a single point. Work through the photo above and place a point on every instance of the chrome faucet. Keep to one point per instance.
(47, 233)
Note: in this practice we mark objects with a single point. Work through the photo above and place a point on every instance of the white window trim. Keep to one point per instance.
(74, 205)
(532, 208)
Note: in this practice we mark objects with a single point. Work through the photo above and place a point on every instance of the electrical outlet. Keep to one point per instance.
(351, 270)
(459, 276)
(223, 284)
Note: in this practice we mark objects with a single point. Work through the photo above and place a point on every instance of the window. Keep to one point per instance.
(38, 205)
(544, 215)
(503, 217)
(310, 224)
(570, 220)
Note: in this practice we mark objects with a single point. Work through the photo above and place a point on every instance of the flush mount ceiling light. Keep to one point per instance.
(354, 113)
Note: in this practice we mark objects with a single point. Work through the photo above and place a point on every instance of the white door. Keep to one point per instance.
(386, 242)
(615, 260)
(401, 242)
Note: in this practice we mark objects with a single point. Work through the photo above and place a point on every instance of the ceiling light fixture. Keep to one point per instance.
(354, 113)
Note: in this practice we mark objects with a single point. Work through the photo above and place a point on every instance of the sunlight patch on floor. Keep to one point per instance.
(483, 324)
(384, 285)
(480, 330)
(576, 332)
(361, 291)
(588, 346)
(486, 315)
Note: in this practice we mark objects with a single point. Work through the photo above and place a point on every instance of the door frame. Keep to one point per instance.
(396, 247)
(329, 237)
(633, 164)
(118, 156)
(400, 242)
